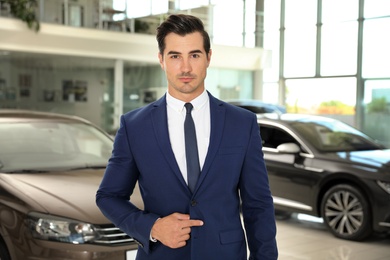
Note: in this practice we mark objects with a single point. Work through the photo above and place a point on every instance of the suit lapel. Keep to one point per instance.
(160, 126)
(217, 118)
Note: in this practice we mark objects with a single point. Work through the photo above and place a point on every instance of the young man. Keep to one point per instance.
(190, 215)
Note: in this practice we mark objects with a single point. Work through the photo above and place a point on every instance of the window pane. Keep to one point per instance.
(159, 7)
(377, 110)
(300, 13)
(376, 8)
(300, 52)
(329, 96)
(376, 54)
(300, 38)
(339, 48)
(228, 23)
(339, 11)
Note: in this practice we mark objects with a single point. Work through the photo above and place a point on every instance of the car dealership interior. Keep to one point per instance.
(98, 59)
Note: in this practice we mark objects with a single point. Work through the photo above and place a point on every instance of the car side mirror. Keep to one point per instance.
(288, 148)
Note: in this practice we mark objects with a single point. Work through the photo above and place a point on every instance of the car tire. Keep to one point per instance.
(4, 255)
(346, 212)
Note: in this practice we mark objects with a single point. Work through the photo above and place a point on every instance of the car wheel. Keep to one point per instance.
(346, 212)
(4, 255)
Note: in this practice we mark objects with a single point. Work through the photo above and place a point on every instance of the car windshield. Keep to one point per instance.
(40, 146)
(334, 136)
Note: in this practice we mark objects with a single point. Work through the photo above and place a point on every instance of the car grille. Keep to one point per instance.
(111, 235)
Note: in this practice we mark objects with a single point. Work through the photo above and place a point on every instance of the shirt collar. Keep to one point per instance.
(178, 105)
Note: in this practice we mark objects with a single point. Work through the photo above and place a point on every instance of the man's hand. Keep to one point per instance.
(174, 230)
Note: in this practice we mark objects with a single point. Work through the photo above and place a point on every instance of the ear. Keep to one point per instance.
(161, 59)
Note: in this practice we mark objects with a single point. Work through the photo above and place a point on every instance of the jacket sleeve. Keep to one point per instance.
(116, 188)
(257, 202)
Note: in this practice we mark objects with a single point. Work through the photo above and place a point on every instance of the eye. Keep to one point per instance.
(174, 56)
(195, 55)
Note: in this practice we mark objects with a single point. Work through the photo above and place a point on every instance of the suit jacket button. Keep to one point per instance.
(193, 203)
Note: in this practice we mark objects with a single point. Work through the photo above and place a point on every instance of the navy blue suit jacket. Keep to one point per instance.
(234, 169)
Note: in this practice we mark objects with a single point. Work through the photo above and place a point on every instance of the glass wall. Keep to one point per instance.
(85, 86)
(62, 84)
(142, 85)
(331, 61)
(332, 97)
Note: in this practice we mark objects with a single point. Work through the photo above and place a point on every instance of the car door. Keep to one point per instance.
(291, 178)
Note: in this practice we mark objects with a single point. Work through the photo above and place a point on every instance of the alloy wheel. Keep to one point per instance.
(346, 212)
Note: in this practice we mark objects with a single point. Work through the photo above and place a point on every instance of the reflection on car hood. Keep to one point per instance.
(373, 158)
(69, 194)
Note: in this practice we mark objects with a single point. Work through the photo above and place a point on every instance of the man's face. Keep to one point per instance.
(185, 63)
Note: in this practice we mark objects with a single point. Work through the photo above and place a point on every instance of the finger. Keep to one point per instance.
(192, 223)
(177, 244)
(181, 244)
(185, 237)
(181, 216)
(186, 230)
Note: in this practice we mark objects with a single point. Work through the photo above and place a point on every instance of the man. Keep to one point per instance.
(187, 217)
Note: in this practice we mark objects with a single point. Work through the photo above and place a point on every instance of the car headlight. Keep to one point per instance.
(384, 185)
(53, 228)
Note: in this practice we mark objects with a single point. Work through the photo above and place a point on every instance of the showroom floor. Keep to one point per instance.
(309, 240)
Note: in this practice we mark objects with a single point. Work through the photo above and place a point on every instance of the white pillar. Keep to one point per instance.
(258, 85)
(118, 92)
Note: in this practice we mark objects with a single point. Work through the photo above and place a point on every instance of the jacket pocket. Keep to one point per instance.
(231, 236)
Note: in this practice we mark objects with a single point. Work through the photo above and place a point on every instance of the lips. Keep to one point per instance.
(186, 79)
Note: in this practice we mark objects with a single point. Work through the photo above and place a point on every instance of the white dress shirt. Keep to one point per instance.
(176, 115)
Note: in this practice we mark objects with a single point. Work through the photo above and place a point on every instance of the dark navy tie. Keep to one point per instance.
(192, 157)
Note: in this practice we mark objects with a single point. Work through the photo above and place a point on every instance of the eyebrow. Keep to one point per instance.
(176, 52)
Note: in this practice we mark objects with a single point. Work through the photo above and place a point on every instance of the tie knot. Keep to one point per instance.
(188, 107)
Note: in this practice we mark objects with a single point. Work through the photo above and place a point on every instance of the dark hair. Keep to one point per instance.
(181, 24)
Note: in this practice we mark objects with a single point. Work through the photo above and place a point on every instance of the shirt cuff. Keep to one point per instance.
(152, 239)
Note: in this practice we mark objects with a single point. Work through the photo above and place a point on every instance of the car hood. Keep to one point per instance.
(372, 158)
(68, 194)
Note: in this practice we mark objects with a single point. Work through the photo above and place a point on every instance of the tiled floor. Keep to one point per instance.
(307, 240)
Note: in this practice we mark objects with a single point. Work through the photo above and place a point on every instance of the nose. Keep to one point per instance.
(186, 65)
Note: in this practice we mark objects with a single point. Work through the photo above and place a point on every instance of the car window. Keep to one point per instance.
(44, 145)
(257, 110)
(272, 137)
(334, 136)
